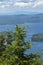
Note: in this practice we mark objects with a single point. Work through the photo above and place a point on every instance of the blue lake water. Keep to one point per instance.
(32, 28)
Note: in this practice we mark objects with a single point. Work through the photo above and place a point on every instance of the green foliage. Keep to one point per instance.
(14, 50)
(2, 40)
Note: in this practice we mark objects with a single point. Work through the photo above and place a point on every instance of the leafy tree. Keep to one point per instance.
(14, 53)
(2, 40)
(9, 37)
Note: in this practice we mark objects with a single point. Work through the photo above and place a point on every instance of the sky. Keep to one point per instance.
(21, 6)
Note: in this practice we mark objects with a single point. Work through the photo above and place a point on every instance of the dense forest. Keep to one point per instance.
(13, 47)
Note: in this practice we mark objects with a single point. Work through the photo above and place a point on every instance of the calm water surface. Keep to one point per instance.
(33, 28)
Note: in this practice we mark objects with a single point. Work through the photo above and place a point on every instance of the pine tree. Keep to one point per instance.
(2, 40)
(15, 52)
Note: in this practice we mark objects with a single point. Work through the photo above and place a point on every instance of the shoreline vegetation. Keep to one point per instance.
(13, 47)
(37, 37)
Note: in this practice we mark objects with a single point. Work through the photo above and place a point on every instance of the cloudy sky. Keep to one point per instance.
(20, 6)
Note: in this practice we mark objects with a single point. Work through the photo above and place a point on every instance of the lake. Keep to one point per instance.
(32, 28)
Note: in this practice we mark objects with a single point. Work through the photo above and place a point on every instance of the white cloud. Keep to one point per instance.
(22, 4)
(7, 4)
(38, 3)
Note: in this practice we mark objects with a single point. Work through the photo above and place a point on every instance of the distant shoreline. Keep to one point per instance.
(37, 37)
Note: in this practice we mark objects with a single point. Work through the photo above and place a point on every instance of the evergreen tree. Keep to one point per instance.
(2, 41)
(14, 53)
(9, 37)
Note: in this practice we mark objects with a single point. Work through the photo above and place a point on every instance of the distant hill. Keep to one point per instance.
(22, 18)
